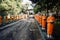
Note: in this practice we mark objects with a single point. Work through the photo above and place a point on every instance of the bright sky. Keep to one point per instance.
(29, 2)
(25, 1)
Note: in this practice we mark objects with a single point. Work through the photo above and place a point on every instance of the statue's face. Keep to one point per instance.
(50, 14)
(43, 14)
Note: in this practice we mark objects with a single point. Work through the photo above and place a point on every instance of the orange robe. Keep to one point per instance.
(36, 17)
(0, 19)
(40, 19)
(6, 19)
(50, 25)
(43, 21)
(11, 18)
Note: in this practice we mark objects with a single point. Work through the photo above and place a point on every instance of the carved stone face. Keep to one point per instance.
(50, 14)
(43, 14)
(38, 12)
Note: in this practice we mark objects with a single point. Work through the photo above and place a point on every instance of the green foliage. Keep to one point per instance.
(37, 8)
(48, 5)
(10, 6)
